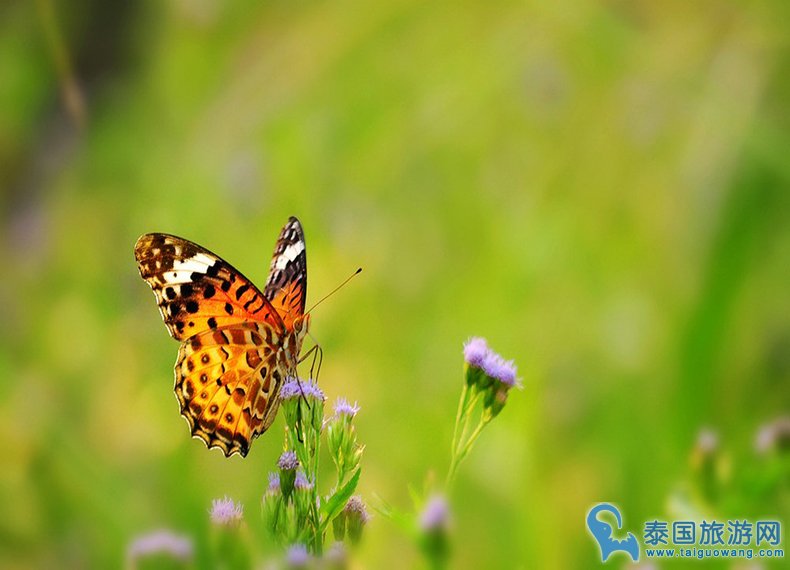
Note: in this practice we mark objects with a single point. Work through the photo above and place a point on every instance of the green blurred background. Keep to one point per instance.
(598, 188)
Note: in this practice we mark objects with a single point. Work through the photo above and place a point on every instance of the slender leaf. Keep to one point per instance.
(332, 507)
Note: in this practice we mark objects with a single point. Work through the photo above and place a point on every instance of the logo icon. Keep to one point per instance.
(603, 533)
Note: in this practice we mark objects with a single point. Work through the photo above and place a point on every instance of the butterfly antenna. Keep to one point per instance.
(335, 290)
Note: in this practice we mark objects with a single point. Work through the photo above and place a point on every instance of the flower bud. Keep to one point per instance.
(709, 465)
(302, 497)
(297, 557)
(356, 516)
(342, 438)
(224, 512)
(498, 399)
(434, 524)
(228, 540)
(489, 374)
(290, 394)
(339, 526)
(161, 543)
(475, 351)
(316, 410)
(272, 504)
(287, 465)
(303, 405)
(773, 436)
(336, 557)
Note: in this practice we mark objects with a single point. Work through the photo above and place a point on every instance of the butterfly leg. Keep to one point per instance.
(299, 408)
(299, 421)
(318, 358)
(317, 355)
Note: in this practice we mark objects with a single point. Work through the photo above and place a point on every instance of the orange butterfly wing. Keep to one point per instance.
(228, 383)
(197, 290)
(286, 287)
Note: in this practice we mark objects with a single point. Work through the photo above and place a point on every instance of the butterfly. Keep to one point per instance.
(238, 344)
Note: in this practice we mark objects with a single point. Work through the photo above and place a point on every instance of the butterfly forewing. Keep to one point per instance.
(195, 289)
(286, 287)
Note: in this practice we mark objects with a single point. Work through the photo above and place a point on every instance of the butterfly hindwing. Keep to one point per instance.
(195, 289)
(286, 287)
(228, 382)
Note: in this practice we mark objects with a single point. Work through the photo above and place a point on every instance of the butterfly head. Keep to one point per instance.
(294, 339)
(301, 324)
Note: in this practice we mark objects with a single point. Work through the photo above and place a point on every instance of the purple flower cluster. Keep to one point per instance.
(476, 351)
(301, 482)
(436, 514)
(225, 512)
(274, 482)
(356, 506)
(288, 461)
(336, 555)
(297, 556)
(343, 408)
(479, 355)
(296, 388)
(161, 542)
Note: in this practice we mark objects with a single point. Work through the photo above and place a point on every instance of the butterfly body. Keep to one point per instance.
(238, 344)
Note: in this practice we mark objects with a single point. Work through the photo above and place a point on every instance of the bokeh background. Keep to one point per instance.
(598, 188)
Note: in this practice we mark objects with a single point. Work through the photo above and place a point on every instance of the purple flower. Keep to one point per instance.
(287, 465)
(343, 408)
(288, 461)
(500, 369)
(478, 355)
(161, 542)
(225, 512)
(274, 482)
(475, 351)
(301, 482)
(356, 507)
(297, 556)
(336, 555)
(272, 497)
(295, 388)
(707, 441)
(773, 435)
(436, 514)
(356, 517)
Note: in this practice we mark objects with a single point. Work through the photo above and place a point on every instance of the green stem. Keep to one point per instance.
(465, 406)
(459, 413)
(472, 438)
(316, 519)
(462, 449)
